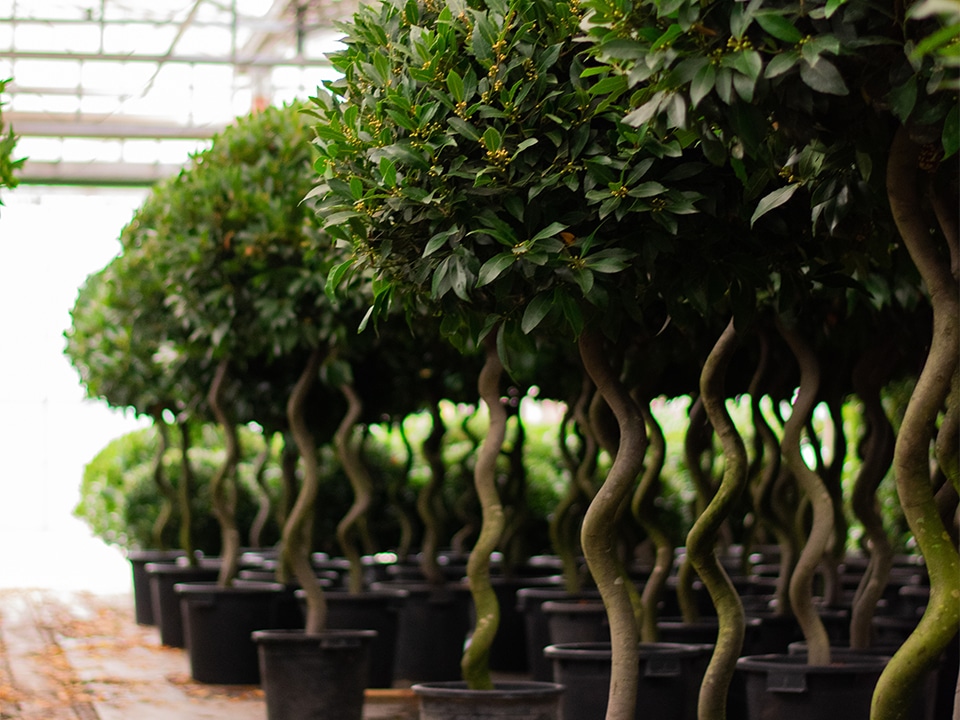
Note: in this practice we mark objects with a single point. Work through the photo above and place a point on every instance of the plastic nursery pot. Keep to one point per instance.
(669, 680)
(574, 621)
(375, 609)
(166, 604)
(530, 601)
(787, 688)
(704, 631)
(218, 622)
(434, 622)
(513, 700)
(142, 599)
(509, 650)
(928, 702)
(314, 677)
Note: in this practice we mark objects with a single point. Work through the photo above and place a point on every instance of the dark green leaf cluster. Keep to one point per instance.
(472, 162)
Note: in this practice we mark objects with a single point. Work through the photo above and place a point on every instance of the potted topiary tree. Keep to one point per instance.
(762, 63)
(119, 341)
(436, 210)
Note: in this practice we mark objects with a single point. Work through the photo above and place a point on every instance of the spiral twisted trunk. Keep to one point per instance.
(428, 499)
(223, 488)
(264, 503)
(703, 536)
(168, 493)
(822, 532)
(869, 376)
(599, 533)
(185, 494)
(361, 484)
(645, 512)
(475, 665)
(297, 532)
(911, 457)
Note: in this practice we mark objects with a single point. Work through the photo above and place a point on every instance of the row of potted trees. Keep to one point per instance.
(629, 204)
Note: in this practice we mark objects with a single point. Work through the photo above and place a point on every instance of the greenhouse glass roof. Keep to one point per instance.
(119, 92)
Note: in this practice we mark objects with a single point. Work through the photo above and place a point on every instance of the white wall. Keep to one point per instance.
(50, 240)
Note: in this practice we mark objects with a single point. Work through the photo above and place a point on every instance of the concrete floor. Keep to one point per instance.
(67, 655)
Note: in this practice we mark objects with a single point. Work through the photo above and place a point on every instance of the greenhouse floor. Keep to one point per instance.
(81, 656)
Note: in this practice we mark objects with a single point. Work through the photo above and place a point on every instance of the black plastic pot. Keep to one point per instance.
(787, 688)
(530, 602)
(289, 612)
(433, 626)
(376, 609)
(778, 631)
(314, 677)
(166, 604)
(513, 700)
(218, 623)
(704, 631)
(509, 650)
(924, 702)
(669, 682)
(576, 621)
(142, 599)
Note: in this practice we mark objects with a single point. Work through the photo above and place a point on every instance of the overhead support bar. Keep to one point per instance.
(100, 126)
(95, 173)
(168, 59)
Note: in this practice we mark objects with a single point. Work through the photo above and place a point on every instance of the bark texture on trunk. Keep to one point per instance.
(703, 536)
(599, 535)
(821, 533)
(297, 532)
(475, 664)
(223, 487)
(911, 457)
(360, 482)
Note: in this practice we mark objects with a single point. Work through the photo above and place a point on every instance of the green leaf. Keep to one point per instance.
(529, 142)
(612, 85)
(388, 170)
(606, 264)
(552, 230)
(702, 83)
(778, 26)
(823, 76)
(584, 279)
(464, 128)
(650, 188)
(491, 139)
(832, 6)
(438, 241)
(455, 85)
(336, 274)
(903, 98)
(494, 268)
(356, 188)
(748, 63)
(535, 312)
(744, 87)
(781, 63)
(646, 111)
(572, 313)
(951, 132)
(773, 200)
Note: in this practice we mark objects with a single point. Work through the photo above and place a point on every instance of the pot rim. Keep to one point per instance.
(172, 568)
(603, 651)
(781, 662)
(248, 587)
(501, 690)
(298, 636)
(362, 596)
(574, 607)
